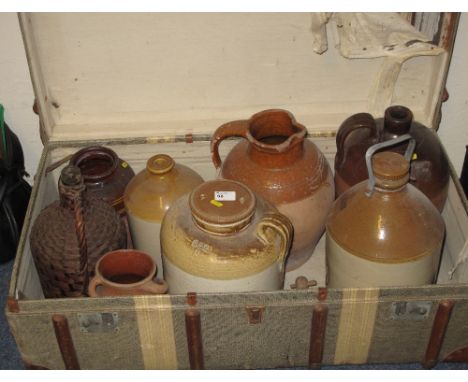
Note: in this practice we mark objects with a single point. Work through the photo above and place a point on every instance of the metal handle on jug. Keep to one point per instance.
(373, 149)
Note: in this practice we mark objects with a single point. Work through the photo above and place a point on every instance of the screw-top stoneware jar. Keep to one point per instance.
(70, 235)
(222, 238)
(150, 194)
(104, 174)
(429, 170)
(383, 232)
(277, 163)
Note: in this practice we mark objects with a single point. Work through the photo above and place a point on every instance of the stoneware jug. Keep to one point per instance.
(277, 163)
(104, 174)
(383, 232)
(125, 272)
(429, 170)
(71, 234)
(223, 238)
(150, 194)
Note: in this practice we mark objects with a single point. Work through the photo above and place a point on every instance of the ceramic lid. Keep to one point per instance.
(222, 203)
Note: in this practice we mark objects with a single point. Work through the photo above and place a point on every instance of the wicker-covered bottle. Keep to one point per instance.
(70, 235)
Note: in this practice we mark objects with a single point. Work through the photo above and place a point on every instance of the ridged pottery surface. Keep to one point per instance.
(229, 246)
(279, 164)
(149, 195)
(391, 237)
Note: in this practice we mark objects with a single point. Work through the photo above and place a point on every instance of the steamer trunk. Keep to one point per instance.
(143, 84)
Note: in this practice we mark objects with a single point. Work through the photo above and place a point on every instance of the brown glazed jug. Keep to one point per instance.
(125, 272)
(278, 163)
(104, 174)
(429, 168)
(150, 194)
(70, 235)
(383, 232)
(223, 238)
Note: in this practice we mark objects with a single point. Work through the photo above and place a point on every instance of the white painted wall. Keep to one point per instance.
(17, 96)
(16, 93)
(453, 129)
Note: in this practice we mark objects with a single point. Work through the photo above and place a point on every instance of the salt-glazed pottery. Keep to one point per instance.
(125, 272)
(277, 163)
(104, 174)
(384, 231)
(429, 170)
(150, 194)
(70, 235)
(223, 238)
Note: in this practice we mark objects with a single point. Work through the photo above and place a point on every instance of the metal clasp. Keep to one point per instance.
(255, 314)
(98, 322)
(411, 310)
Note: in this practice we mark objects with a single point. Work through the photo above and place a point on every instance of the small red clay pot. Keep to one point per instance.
(125, 272)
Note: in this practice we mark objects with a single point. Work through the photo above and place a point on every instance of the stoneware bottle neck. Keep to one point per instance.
(96, 163)
(397, 121)
(391, 171)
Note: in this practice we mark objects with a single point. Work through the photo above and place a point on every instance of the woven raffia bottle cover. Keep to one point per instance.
(70, 235)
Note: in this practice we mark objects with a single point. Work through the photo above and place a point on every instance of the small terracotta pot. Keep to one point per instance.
(125, 272)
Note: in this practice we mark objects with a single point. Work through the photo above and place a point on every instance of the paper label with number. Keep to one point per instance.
(225, 195)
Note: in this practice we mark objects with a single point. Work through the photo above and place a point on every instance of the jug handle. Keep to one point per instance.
(230, 129)
(283, 226)
(355, 122)
(93, 284)
(373, 149)
(155, 287)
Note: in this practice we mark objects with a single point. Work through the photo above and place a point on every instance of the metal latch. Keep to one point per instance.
(410, 310)
(303, 283)
(255, 314)
(98, 322)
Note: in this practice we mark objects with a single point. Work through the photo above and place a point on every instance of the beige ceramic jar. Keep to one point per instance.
(222, 238)
(149, 195)
(383, 234)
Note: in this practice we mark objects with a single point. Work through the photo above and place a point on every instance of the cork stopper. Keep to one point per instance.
(222, 206)
(71, 176)
(391, 170)
(160, 164)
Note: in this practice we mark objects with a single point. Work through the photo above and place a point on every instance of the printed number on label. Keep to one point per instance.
(225, 195)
